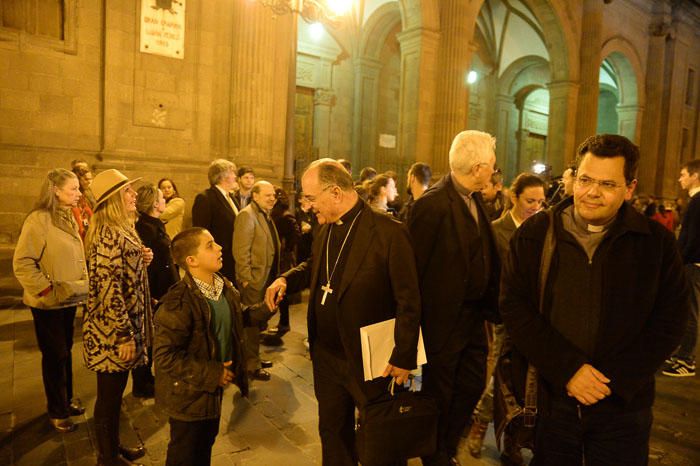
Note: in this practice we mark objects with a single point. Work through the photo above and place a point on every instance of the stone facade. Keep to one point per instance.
(81, 88)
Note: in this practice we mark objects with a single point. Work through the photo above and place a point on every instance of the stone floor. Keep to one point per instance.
(276, 425)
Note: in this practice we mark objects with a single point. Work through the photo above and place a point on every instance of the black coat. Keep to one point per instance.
(438, 226)
(162, 273)
(213, 212)
(184, 351)
(379, 282)
(644, 303)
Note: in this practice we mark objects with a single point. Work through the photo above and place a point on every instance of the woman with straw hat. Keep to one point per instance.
(117, 325)
(49, 263)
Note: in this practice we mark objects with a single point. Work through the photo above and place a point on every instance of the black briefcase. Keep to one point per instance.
(397, 426)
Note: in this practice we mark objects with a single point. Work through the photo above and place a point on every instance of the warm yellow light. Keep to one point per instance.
(339, 7)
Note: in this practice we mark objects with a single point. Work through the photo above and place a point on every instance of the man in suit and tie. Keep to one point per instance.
(361, 271)
(458, 272)
(215, 210)
(256, 250)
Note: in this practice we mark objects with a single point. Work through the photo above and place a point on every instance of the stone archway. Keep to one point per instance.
(519, 80)
(561, 34)
(625, 61)
(368, 66)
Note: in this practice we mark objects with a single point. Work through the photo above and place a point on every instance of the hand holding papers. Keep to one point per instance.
(377, 344)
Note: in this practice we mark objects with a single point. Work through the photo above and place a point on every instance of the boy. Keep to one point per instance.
(198, 347)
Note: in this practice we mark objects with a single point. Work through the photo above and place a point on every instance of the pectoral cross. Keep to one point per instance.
(326, 291)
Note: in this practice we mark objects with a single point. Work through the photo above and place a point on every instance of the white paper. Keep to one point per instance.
(377, 342)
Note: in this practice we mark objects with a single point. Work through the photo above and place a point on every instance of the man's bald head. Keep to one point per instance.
(329, 172)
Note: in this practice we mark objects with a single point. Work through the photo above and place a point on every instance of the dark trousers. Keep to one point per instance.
(191, 442)
(110, 388)
(284, 312)
(338, 393)
(686, 350)
(54, 334)
(598, 435)
(455, 377)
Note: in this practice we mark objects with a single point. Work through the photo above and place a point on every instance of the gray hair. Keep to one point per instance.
(218, 168)
(471, 148)
(332, 173)
(258, 186)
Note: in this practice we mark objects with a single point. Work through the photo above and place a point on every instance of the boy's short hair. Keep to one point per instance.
(185, 244)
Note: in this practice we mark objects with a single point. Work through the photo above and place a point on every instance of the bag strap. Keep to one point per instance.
(530, 408)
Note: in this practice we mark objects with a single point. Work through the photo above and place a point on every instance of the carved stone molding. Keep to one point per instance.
(324, 97)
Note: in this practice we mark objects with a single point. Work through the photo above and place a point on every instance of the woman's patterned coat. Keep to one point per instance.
(118, 306)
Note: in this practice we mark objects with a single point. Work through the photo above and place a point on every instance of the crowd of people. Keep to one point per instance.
(461, 258)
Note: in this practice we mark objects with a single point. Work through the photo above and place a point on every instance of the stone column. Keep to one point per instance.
(324, 100)
(506, 142)
(452, 89)
(419, 47)
(591, 44)
(364, 124)
(561, 128)
(654, 89)
(260, 87)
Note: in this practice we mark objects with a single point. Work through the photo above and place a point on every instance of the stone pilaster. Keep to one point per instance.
(588, 92)
(506, 141)
(652, 121)
(364, 134)
(561, 129)
(324, 100)
(419, 53)
(260, 60)
(452, 89)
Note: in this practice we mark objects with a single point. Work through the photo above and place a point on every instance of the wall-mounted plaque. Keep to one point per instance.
(163, 27)
(387, 141)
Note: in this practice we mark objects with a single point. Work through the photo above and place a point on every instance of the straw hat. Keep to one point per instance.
(107, 183)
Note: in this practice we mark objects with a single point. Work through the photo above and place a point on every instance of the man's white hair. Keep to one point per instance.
(471, 148)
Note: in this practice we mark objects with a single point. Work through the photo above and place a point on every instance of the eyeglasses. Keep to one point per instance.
(586, 182)
(309, 198)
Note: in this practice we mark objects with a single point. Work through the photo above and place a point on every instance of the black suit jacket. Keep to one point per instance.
(379, 282)
(212, 211)
(438, 226)
(162, 273)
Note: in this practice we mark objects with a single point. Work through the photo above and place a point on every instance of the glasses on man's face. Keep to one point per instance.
(312, 199)
(586, 182)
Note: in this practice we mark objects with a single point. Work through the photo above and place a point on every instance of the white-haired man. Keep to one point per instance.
(215, 210)
(458, 273)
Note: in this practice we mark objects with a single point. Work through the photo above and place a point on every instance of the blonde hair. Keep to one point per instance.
(56, 178)
(113, 213)
(471, 148)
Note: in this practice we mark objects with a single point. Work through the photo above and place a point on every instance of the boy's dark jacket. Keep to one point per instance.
(645, 301)
(184, 351)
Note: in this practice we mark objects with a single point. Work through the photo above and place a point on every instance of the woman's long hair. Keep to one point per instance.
(175, 191)
(47, 201)
(113, 213)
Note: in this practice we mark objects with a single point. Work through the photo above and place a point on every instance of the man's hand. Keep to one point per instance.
(127, 351)
(401, 375)
(147, 255)
(226, 375)
(588, 385)
(275, 293)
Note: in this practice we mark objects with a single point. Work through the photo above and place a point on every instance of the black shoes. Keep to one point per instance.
(265, 363)
(76, 409)
(63, 426)
(260, 374)
(132, 454)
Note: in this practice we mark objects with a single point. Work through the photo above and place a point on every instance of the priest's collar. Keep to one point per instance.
(350, 214)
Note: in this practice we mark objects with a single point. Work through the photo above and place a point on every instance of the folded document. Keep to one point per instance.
(377, 345)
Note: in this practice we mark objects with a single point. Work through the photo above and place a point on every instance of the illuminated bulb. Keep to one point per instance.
(316, 31)
(472, 77)
(539, 168)
(339, 7)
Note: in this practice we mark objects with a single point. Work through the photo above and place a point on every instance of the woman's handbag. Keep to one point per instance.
(400, 425)
(515, 380)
